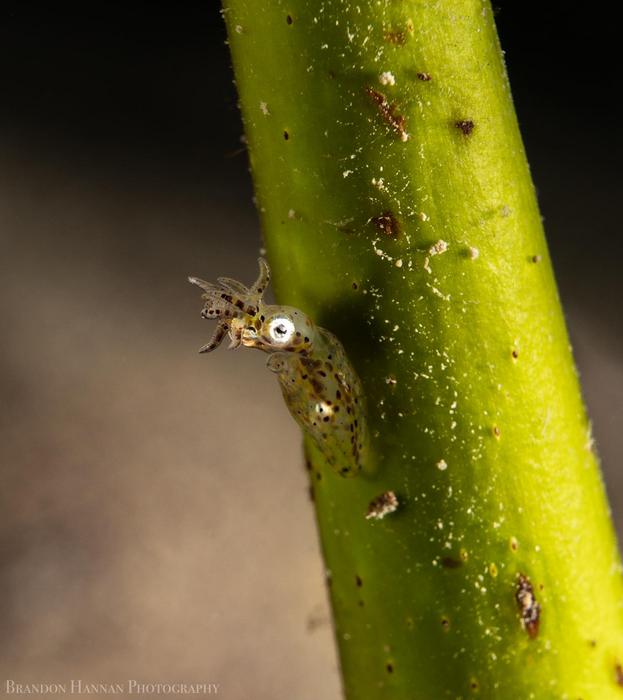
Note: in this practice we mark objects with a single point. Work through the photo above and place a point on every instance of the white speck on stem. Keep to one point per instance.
(387, 78)
(473, 253)
(438, 248)
(346, 173)
(398, 262)
(442, 465)
(441, 295)
(264, 109)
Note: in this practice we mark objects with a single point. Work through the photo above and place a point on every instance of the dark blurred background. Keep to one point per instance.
(141, 536)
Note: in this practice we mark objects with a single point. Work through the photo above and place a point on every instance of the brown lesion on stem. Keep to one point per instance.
(382, 505)
(466, 126)
(388, 112)
(387, 224)
(399, 36)
(529, 608)
(451, 563)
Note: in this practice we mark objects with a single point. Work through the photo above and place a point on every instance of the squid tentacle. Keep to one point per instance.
(231, 285)
(260, 284)
(217, 337)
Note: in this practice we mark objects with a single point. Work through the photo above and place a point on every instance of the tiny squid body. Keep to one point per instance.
(319, 385)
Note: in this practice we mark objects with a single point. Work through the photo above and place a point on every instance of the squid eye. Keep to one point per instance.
(281, 329)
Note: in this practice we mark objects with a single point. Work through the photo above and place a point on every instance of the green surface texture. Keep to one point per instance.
(398, 212)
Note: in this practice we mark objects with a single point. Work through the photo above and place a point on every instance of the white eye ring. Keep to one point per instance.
(281, 329)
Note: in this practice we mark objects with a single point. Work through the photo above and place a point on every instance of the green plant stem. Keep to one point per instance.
(399, 212)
